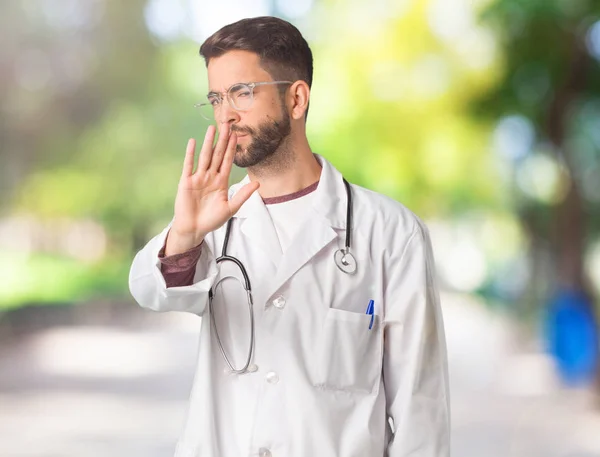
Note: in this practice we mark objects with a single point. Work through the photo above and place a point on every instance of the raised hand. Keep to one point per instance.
(202, 204)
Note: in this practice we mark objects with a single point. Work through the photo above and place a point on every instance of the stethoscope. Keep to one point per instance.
(343, 258)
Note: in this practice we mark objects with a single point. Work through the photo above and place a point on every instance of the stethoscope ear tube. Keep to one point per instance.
(343, 258)
(348, 214)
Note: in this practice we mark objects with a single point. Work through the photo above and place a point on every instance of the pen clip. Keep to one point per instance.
(371, 311)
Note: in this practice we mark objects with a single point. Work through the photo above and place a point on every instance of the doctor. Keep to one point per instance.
(333, 346)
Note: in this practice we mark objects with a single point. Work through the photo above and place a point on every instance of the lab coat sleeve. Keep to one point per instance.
(148, 287)
(415, 368)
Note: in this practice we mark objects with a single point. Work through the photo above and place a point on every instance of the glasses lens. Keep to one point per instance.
(241, 96)
(206, 111)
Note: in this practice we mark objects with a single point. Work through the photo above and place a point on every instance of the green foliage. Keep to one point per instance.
(46, 279)
(390, 108)
(541, 40)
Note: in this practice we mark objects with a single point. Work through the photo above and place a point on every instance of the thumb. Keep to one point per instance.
(241, 196)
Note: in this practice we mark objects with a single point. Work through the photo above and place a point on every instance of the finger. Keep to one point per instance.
(206, 151)
(241, 196)
(188, 162)
(229, 155)
(219, 150)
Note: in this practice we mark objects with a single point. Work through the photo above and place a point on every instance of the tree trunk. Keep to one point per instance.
(570, 226)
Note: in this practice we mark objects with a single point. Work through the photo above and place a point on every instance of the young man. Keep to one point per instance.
(336, 348)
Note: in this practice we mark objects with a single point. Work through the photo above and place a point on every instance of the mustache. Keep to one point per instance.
(244, 130)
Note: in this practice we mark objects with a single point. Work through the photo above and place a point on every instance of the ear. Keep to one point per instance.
(299, 96)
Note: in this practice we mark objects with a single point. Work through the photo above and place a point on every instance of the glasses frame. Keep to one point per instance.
(226, 94)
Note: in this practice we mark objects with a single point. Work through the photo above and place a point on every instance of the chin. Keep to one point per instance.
(238, 158)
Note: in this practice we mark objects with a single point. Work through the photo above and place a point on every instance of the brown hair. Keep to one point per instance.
(283, 51)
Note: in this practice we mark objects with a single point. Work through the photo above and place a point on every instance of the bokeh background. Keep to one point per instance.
(482, 116)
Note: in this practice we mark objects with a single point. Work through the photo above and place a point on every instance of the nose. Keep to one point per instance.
(226, 114)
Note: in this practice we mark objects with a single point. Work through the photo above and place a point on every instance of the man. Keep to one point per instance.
(330, 354)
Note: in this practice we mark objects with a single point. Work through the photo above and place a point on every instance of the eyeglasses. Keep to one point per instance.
(240, 97)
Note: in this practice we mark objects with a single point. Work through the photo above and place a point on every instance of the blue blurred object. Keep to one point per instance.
(572, 336)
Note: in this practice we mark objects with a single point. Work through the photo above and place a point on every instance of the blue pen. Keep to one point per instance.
(371, 311)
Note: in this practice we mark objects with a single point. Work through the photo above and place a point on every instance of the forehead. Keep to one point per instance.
(235, 67)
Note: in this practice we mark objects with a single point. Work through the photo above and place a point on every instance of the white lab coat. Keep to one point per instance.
(326, 385)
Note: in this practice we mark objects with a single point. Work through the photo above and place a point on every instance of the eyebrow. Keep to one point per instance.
(214, 92)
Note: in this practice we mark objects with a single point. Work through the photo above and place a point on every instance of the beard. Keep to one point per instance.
(266, 140)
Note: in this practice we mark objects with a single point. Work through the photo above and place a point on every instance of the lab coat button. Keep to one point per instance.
(264, 452)
(279, 302)
(252, 368)
(272, 377)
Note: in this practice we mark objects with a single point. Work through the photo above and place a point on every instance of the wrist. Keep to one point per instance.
(178, 244)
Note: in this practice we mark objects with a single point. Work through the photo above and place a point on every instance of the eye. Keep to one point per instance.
(240, 91)
(214, 100)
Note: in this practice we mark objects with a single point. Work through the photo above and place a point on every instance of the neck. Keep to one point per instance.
(293, 168)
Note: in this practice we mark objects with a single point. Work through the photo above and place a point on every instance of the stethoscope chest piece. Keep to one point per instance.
(345, 261)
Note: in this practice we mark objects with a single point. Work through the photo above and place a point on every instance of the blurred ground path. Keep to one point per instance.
(115, 383)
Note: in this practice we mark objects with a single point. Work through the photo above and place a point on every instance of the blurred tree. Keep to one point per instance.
(61, 68)
(101, 133)
(551, 79)
(391, 106)
(95, 116)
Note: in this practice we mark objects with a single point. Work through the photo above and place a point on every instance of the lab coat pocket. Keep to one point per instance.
(349, 353)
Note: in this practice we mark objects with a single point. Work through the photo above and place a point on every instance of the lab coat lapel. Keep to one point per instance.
(311, 238)
(258, 228)
(327, 213)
